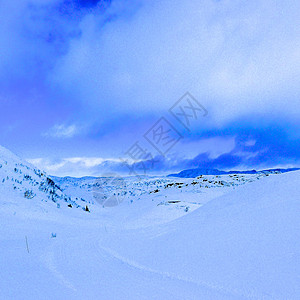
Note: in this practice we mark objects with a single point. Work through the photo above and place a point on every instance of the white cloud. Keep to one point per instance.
(250, 143)
(62, 131)
(90, 162)
(235, 57)
(75, 166)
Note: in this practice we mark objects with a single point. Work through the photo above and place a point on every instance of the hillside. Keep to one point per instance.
(224, 237)
(23, 183)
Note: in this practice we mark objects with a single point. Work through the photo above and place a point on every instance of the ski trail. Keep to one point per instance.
(200, 283)
(49, 260)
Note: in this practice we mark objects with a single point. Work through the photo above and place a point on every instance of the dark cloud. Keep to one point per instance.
(92, 3)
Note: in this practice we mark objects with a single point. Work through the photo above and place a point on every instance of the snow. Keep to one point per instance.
(239, 240)
(22, 184)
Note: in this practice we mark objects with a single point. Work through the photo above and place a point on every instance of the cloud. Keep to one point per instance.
(78, 166)
(250, 143)
(227, 54)
(62, 131)
(117, 66)
(138, 57)
(241, 149)
(215, 146)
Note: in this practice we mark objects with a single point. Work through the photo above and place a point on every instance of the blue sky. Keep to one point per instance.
(83, 81)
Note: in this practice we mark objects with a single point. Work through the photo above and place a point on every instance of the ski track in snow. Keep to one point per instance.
(49, 260)
(204, 284)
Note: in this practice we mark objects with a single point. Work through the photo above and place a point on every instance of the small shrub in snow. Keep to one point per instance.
(29, 194)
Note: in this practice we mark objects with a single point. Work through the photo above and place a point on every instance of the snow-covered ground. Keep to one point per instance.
(212, 237)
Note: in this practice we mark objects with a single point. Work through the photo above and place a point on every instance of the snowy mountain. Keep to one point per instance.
(156, 187)
(20, 181)
(192, 173)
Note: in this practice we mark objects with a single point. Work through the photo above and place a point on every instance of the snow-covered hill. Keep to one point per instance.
(187, 192)
(217, 237)
(21, 183)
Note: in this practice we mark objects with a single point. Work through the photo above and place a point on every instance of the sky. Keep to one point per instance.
(87, 86)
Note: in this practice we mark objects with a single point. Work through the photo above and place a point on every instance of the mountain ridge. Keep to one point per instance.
(192, 173)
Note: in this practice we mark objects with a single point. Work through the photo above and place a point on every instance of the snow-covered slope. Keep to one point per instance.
(23, 184)
(244, 244)
(239, 239)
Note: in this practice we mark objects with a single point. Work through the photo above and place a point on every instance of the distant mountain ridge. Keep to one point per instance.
(192, 173)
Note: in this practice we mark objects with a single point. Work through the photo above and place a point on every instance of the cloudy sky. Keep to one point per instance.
(83, 82)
